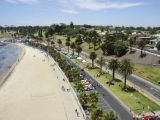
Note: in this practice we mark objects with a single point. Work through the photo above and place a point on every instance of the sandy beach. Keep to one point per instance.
(30, 92)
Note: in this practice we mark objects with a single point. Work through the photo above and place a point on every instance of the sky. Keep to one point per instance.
(134, 13)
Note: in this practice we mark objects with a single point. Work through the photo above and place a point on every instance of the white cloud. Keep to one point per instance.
(69, 11)
(23, 1)
(98, 4)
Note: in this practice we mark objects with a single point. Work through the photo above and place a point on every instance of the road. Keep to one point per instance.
(107, 102)
(149, 88)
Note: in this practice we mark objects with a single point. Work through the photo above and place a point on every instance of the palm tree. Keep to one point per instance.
(99, 41)
(93, 97)
(101, 62)
(126, 67)
(93, 56)
(88, 40)
(68, 44)
(73, 46)
(92, 106)
(79, 87)
(158, 46)
(96, 114)
(141, 45)
(113, 65)
(83, 98)
(131, 42)
(59, 42)
(78, 49)
(109, 116)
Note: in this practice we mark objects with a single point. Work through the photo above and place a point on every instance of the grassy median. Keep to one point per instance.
(134, 100)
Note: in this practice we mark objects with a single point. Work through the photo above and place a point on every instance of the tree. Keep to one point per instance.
(88, 40)
(48, 40)
(113, 65)
(68, 39)
(68, 44)
(78, 49)
(52, 43)
(79, 87)
(59, 42)
(109, 116)
(78, 40)
(158, 46)
(93, 97)
(126, 67)
(96, 114)
(83, 98)
(131, 43)
(101, 62)
(73, 46)
(71, 25)
(119, 48)
(93, 56)
(141, 45)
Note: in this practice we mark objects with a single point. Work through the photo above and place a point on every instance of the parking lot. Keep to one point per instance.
(103, 104)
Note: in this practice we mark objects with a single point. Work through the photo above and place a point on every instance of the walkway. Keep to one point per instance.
(69, 100)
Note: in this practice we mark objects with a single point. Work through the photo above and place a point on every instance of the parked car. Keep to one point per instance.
(147, 118)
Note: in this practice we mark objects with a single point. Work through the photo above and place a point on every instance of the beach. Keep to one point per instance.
(30, 91)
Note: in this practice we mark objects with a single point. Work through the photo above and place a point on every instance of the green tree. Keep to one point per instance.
(68, 44)
(68, 39)
(78, 49)
(59, 42)
(73, 46)
(93, 56)
(101, 62)
(119, 48)
(126, 67)
(109, 116)
(141, 45)
(93, 97)
(71, 25)
(96, 114)
(113, 65)
(158, 46)
(131, 43)
(48, 40)
(78, 40)
(79, 87)
(83, 98)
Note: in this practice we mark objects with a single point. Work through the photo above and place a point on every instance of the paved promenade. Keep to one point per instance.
(67, 96)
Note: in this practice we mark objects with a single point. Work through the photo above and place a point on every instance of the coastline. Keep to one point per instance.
(31, 90)
(10, 70)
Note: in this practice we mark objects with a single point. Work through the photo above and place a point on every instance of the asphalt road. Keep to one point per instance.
(108, 101)
(149, 88)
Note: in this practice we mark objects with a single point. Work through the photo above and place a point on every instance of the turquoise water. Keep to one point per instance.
(8, 55)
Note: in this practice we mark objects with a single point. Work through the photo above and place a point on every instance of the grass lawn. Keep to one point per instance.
(128, 98)
(151, 71)
(6, 35)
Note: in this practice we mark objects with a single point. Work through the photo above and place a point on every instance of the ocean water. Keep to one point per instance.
(8, 55)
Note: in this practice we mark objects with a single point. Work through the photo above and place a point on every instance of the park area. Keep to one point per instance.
(147, 72)
(134, 100)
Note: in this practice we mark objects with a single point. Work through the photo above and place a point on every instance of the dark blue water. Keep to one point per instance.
(8, 55)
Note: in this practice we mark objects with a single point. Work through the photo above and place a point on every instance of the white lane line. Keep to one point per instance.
(101, 103)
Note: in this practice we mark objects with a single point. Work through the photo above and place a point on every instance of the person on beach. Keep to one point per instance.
(77, 114)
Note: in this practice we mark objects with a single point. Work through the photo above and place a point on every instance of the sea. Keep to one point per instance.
(8, 55)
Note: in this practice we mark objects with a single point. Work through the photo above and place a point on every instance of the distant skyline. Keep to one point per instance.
(92, 12)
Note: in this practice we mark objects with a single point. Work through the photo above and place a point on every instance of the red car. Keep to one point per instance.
(147, 117)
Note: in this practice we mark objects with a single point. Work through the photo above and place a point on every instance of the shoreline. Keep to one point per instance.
(8, 73)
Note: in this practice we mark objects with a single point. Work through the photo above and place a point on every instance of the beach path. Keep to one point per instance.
(32, 92)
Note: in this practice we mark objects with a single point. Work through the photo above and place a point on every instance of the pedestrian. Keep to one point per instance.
(133, 117)
(77, 114)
